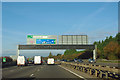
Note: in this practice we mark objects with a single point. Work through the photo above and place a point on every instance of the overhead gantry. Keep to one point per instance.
(58, 46)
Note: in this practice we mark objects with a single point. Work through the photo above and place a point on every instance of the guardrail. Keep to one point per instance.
(98, 71)
(101, 65)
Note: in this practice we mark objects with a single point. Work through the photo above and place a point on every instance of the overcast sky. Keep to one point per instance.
(95, 19)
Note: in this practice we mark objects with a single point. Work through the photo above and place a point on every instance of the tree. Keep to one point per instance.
(110, 37)
(95, 43)
(110, 50)
(50, 55)
(58, 54)
(118, 51)
(102, 41)
(99, 42)
(99, 55)
(69, 51)
(118, 37)
(62, 56)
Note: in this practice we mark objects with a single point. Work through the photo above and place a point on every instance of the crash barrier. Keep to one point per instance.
(100, 65)
(98, 71)
(8, 64)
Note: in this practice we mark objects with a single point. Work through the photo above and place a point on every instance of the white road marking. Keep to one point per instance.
(31, 75)
(73, 72)
(38, 70)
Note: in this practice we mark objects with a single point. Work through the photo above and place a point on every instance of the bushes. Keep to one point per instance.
(109, 48)
(70, 51)
(106, 49)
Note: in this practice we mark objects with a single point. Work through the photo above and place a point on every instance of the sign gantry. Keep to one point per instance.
(35, 42)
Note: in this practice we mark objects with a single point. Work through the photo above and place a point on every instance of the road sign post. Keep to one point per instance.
(18, 50)
(95, 53)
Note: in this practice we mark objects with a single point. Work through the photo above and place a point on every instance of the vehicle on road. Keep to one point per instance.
(80, 60)
(37, 60)
(21, 61)
(91, 61)
(63, 60)
(50, 61)
(30, 61)
(75, 60)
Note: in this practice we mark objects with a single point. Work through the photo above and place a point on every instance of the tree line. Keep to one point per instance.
(106, 49)
(109, 48)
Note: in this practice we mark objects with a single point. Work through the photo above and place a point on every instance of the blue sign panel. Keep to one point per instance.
(45, 41)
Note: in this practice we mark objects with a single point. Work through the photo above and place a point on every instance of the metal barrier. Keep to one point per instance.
(98, 71)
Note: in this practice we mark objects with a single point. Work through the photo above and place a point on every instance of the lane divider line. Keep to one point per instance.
(72, 72)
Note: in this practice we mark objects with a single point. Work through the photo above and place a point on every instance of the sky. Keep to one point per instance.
(60, 0)
(95, 19)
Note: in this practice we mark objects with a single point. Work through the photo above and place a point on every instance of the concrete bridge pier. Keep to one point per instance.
(95, 53)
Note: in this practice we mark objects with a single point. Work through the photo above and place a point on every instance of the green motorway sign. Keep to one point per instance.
(4, 59)
(29, 36)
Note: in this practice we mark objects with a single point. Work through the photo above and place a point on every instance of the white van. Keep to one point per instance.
(37, 60)
(50, 61)
(21, 61)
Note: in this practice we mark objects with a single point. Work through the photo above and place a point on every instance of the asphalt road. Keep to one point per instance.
(37, 71)
(43, 71)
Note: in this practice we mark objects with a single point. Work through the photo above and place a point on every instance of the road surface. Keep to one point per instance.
(37, 71)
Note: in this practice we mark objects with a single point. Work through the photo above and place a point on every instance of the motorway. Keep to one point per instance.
(46, 71)
(38, 71)
(42, 71)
